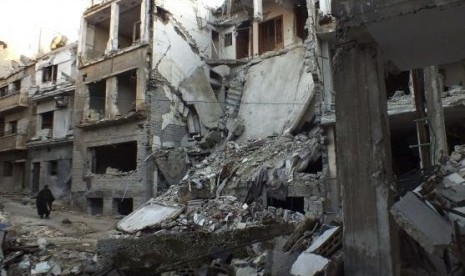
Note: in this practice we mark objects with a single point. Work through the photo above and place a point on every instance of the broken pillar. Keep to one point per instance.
(438, 138)
(364, 162)
(114, 25)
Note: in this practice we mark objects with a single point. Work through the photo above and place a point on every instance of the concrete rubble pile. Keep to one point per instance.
(27, 250)
(433, 215)
(277, 167)
(216, 218)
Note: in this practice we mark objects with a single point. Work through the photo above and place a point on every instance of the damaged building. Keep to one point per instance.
(50, 141)
(14, 124)
(158, 95)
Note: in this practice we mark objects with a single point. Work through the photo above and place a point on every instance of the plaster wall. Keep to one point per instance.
(62, 118)
(16, 180)
(276, 93)
(454, 73)
(65, 58)
(273, 10)
(59, 184)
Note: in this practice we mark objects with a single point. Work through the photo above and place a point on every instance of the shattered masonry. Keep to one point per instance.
(209, 121)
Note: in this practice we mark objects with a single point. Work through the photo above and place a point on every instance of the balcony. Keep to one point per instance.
(13, 101)
(11, 142)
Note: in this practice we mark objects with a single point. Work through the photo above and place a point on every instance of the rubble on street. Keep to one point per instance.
(433, 215)
(218, 214)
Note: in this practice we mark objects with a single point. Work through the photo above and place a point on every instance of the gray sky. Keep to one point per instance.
(22, 22)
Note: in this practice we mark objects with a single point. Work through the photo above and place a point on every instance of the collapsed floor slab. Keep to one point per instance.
(165, 251)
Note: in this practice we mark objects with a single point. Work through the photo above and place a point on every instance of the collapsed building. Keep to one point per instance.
(199, 108)
(50, 141)
(162, 91)
(14, 124)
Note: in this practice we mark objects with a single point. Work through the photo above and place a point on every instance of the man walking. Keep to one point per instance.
(44, 202)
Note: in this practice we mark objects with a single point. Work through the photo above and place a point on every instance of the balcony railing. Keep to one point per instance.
(11, 142)
(13, 101)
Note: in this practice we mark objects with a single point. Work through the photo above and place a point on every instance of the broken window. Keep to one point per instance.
(2, 127)
(295, 204)
(243, 40)
(301, 15)
(129, 25)
(7, 168)
(95, 206)
(97, 92)
(121, 157)
(50, 73)
(215, 44)
(228, 39)
(13, 127)
(271, 35)
(46, 120)
(4, 91)
(127, 85)
(53, 167)
(16, 86)
(97, 33)
(123, 206)
(397, 84)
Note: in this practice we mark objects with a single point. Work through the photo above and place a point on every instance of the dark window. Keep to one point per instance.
(7, 168)
(47, 120)
(243, 40)
(228, 39)
(3, 91)
(97, 92)
(95, 206)
(50, 73)
(295, 204)
(271, 35)
(16, 86)
(2, 127)
(118, 157)
(301, 15)
(122, 206)
(13, 127)
(53, 167)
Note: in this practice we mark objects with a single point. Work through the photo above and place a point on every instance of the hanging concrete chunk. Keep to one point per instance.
(422, 223)
(150, 214)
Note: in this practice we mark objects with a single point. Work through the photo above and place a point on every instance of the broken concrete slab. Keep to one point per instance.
(455, 195)
(167, 250)
(308, 264)
(422, 223)
(196, 90)
(150, 214)
(327, 242)
(172, 164)
(263, 99)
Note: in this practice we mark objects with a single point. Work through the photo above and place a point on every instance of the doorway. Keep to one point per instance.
(35, 177)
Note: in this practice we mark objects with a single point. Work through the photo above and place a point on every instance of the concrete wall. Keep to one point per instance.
(65, 58)
(60, 184)
(62, 119)
(454, 73)
(16, 181)
(275, 94)
(286, 10)
(109, 186)
(180, 77)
